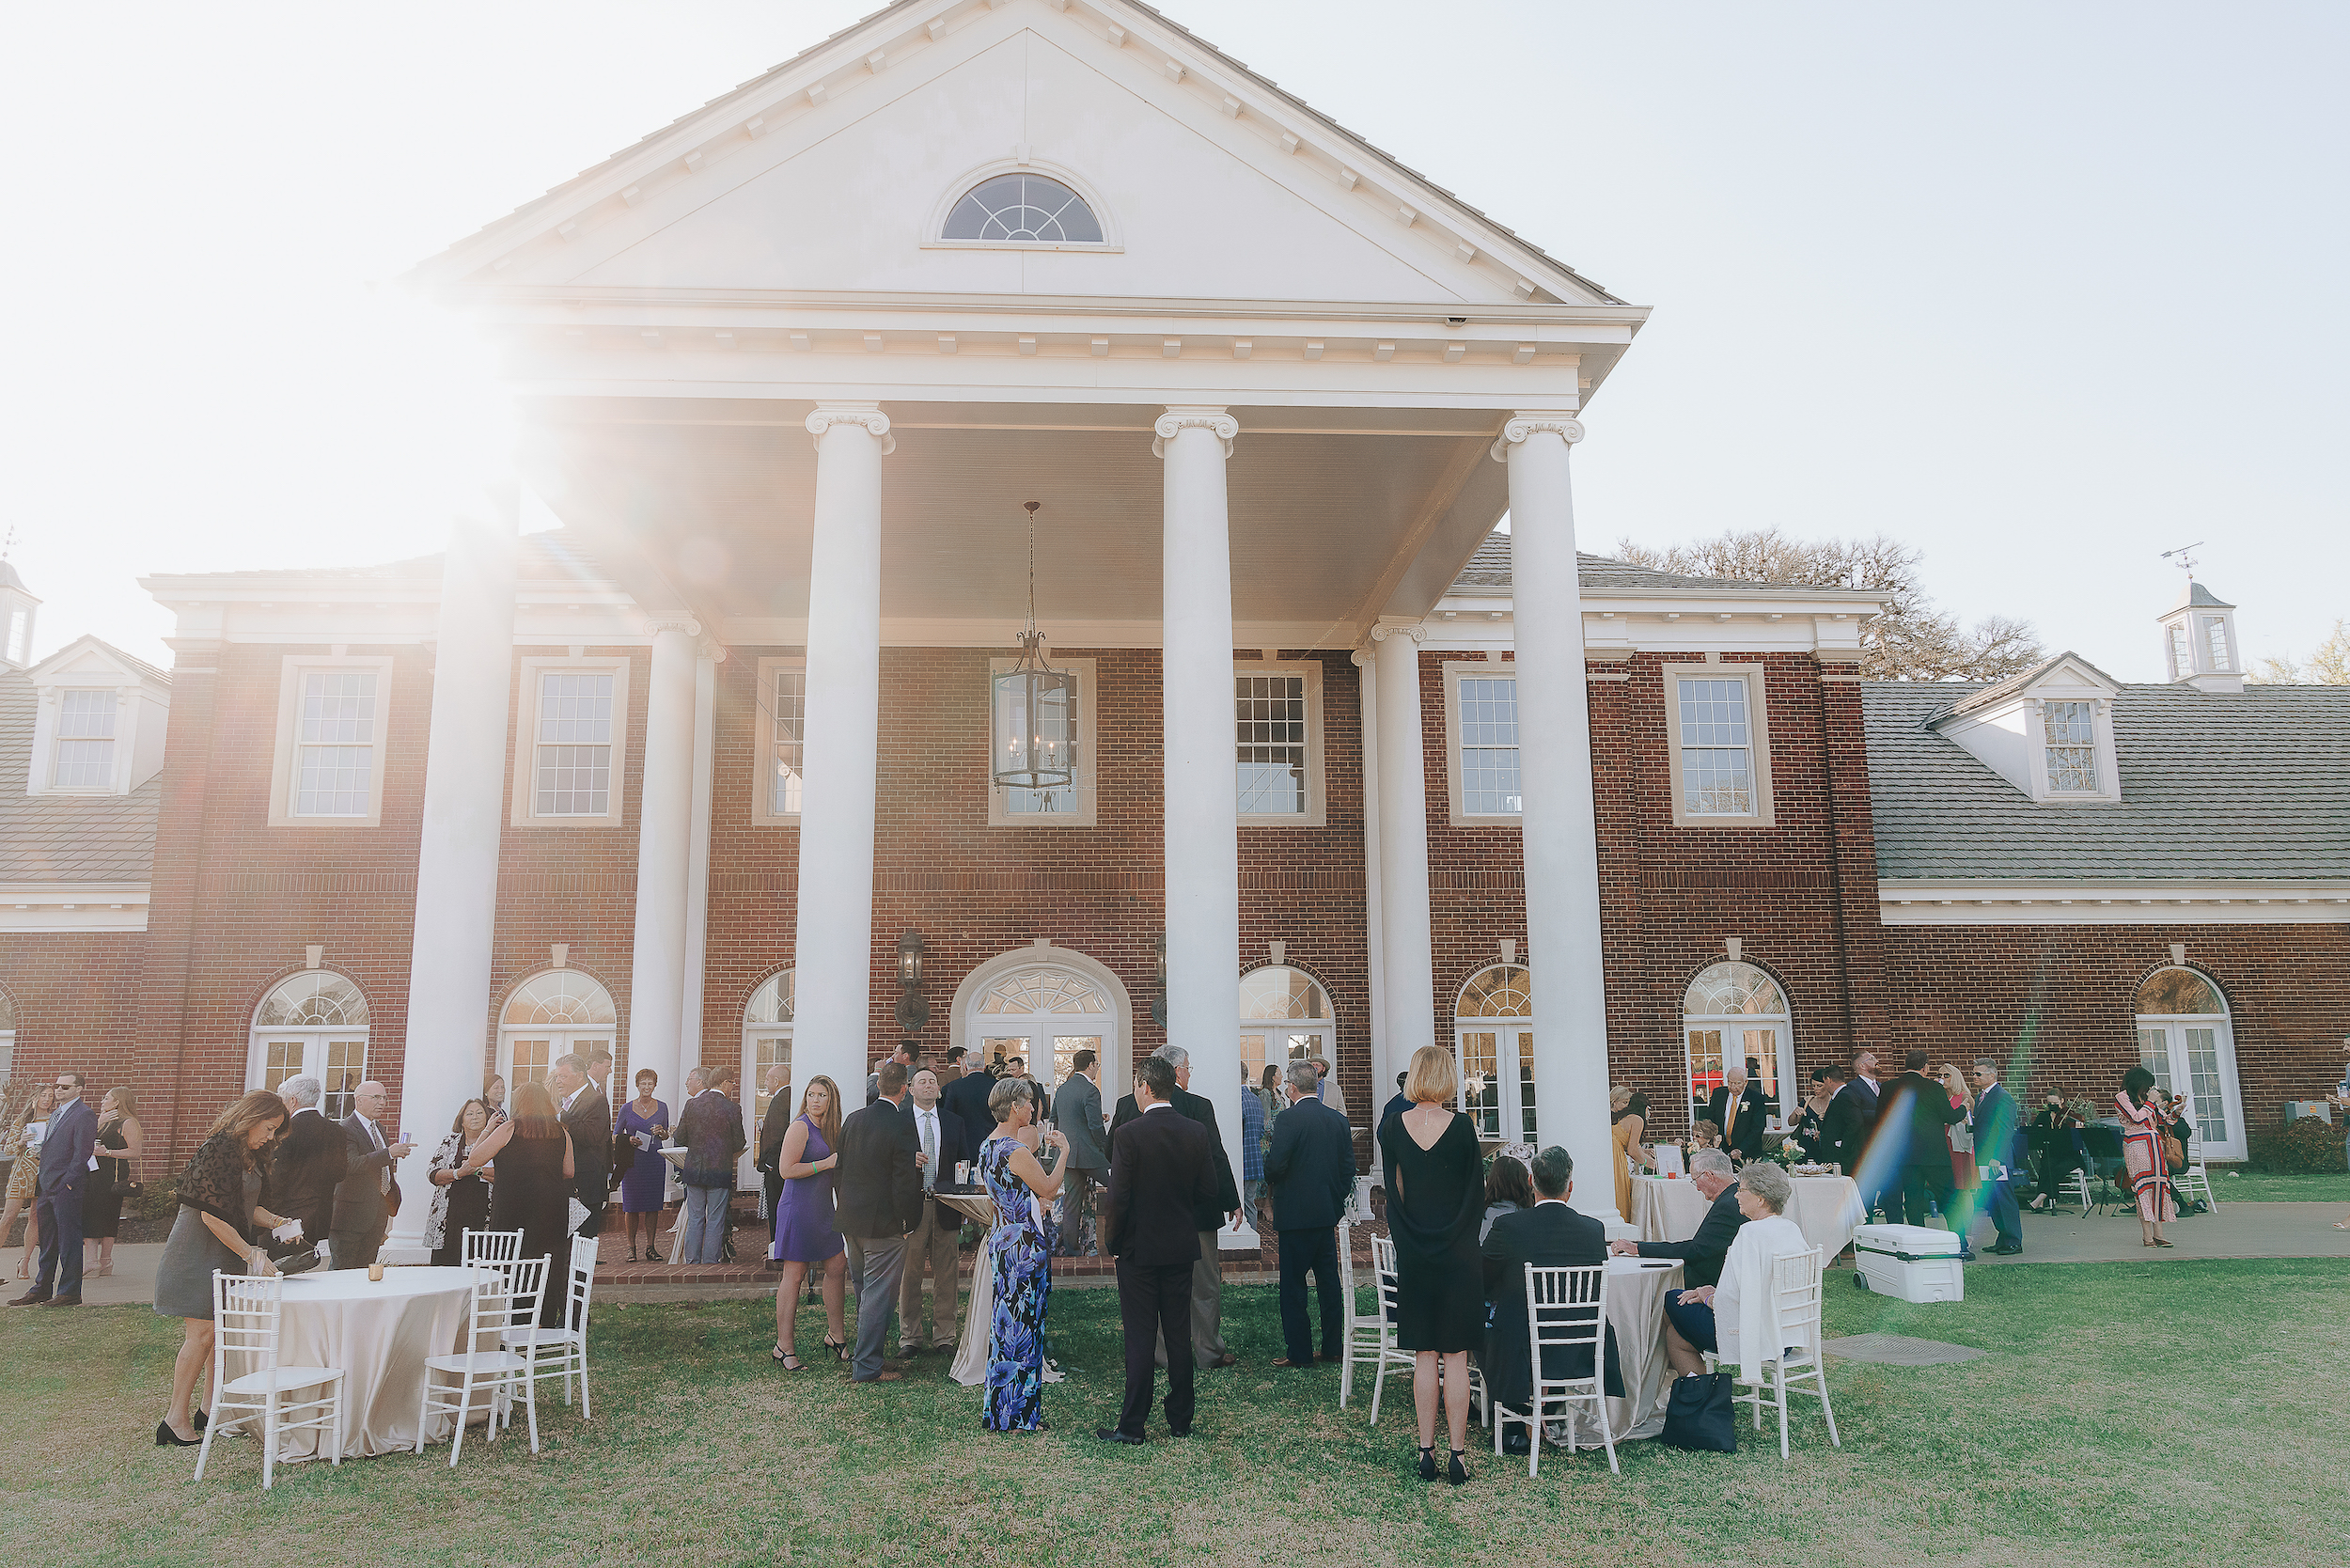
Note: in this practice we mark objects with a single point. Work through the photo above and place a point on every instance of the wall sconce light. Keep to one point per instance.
(913, 1009)
(1158, 968)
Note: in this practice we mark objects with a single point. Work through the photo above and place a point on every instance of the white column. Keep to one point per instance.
(457, 858)
(1375, 950)
(1197, 740)
(1407, 953)
(833, 941)
(1560, 831)
(689, 1028)
(665, 807)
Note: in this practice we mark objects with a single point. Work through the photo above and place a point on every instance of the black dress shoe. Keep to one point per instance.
(164, 1436)
(1179, 1432)
(30, 1298)
(1517, 1443)
(2008, 1250)
(1111, 1434)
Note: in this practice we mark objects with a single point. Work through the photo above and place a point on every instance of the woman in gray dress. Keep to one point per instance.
(222, 1220)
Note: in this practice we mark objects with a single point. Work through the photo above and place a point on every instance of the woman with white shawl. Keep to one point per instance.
(1744, 1305)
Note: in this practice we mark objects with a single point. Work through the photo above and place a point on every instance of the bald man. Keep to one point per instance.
(367, 1196)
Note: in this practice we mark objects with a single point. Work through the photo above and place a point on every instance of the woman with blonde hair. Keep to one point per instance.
(1628, 1108)
(1433, 1211)
(1966, 1185)
(121, 1141)
(222, 1219)
(805, 1236)
(27, 1115)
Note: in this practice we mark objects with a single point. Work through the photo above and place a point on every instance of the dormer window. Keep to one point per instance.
(85, 741)
(2071, 731)
(1022, 210)
(2048, 731)
(98, 719)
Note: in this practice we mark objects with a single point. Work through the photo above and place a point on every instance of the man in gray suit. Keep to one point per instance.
(366, 1199)
(1077, 1112)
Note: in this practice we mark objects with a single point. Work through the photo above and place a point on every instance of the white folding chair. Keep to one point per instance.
(1361, 1340)
(1566, 1308)
(1388, 1353)
(562, 1352)
(247, 1311)
(505, 1298)
(2195, 1181)
(1796, 1281)
(491, 1247)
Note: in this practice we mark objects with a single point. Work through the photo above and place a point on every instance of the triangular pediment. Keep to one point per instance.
(833, 172)
(87, 661)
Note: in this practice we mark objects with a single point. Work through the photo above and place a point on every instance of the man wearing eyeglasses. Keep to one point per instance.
(65, 1174)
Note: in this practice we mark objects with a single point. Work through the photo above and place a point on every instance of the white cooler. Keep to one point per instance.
(1910, 1261)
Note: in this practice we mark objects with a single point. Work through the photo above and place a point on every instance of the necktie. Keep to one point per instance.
(929, 1148)
(384, 1176)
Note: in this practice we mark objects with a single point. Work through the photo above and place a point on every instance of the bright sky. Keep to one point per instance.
(2043, 289)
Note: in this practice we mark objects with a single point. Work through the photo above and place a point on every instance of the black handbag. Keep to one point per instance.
(1700, 1415)
(124, 1184)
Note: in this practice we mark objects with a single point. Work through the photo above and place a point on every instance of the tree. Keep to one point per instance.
(2328, 666)
(1911, 640)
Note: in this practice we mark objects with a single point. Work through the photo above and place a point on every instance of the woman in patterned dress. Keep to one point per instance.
(2144, 1124)
(1020, 1252)
(27, 1118)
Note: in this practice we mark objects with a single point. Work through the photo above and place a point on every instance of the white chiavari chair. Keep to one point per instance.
(248, 1312)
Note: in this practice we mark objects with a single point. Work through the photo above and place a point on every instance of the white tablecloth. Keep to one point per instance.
(380, 1333)
(1825, 1209)
(970, 1368)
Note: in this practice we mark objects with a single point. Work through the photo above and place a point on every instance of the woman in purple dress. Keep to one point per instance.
(644, 1122)
(804, 1230)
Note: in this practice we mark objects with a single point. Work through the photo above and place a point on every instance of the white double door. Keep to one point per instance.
(1049, 1051)
(1263, 1046)
(2196, 1057)
(1496, 1060)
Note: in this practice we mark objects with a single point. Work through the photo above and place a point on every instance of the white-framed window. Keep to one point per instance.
(1736, 1012)
(570, 742)
(1481, 718)
(1276, 721)
(782, 731)
(20, 639)
(1021, 209)
(2215, 634)
(766, 1043)
(330, 742)
(1073, 807)
(86, 739)
(1718, 746)
(1043, 1014)
(554, 1013)
(2187, 1040)
(1285, 1016)
(1494, 1037)
(312, 1023)
(2181, 652)
(2069, 746)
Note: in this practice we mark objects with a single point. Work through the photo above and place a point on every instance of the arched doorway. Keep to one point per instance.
(555, 1011)
(1285, 1016)
(766, 1043)
(1739, 1008)
(312, 1024)
(1493, 1026)
(1045, 1005)
(2186, 1040)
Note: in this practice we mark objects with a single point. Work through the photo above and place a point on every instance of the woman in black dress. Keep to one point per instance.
(120, 1142)
(531, 1188)
(1433, 1204)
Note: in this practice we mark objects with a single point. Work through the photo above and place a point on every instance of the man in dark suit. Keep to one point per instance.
(941, 1141)
(59, 1184)
(966, 1097)
(1852, 1123)
(1077, 1112)
(1739, 1108)
(1311, 1169)
(586, 1115)
(905, 1056)
(1548, 1235)
(1702, 1255)
(878, 1200)
(1207, 1280)
(1999, 1144)
(1918, 1110)
(311, 1161)
(771, 1130)
(368, 1196)
(1162, 1173)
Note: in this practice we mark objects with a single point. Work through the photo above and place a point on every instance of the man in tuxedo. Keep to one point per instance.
(1548, 1235)
(311, 1161)
(941, 1141)
(61, 1180)
(1207, 1280)
(1999, 1144)
(368, 1196)
(1162, 1175)
(586, 1115)
(1077, 1112)
(1918, 1110)
(1703, 1254)
(771, 1130)
(1739, 1108)
(1311, 1169)
(878, 1199)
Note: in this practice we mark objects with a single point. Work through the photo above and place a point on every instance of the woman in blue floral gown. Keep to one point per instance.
(1019, 1252)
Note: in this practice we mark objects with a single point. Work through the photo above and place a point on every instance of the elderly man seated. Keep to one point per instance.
(1702, 1255)
(1547, 1235)
(1714, 1317)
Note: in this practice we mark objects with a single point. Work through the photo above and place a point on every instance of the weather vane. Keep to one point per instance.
(2185, 562)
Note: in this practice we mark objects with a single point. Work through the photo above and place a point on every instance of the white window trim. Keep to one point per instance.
(281, 794)
(1088, 758)
(2238, 1143)
(1758, 734)
(2108, 789)
(48, 718)
(763, 762)
(935, 227)
(1453, 674)
(525, 779)
(1317, 812)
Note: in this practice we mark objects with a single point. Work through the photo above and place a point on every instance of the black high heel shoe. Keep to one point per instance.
(837, 1347)
(1458, 1473)
(166, 1437)
(1427, 1463)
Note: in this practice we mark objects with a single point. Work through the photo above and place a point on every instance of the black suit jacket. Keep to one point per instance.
(967, 1098)
(1702, 1255)
(1548, 1235)
(1745, 1138)
(1851, 1116)
(1310, 1166)
(779, 1117)
(1923, 1107)
(360, 1203)
(1162, 1176)
(307, 1168)
(589, 1122)
(1186, 1103)
(878, 1192)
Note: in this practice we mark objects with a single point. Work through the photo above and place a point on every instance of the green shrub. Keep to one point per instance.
(2304, 1147)
(157, 1200)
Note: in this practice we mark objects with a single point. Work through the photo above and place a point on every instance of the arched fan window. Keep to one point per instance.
(1022, 210)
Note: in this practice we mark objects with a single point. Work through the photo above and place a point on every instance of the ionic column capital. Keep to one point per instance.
(867, 417)
(713, 649)
(1180, 419)
(1416, 631)
(1566, 427)
(687, 625)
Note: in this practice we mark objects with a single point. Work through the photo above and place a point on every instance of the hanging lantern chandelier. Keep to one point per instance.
(1035, 708)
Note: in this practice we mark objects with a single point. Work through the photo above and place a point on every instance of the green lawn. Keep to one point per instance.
(2179, 1413)
(2257, 1187)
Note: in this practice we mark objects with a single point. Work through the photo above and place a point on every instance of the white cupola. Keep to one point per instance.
(2199, 642)
(16, 607)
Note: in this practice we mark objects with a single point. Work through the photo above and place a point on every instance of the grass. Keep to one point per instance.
(2188, 1413)
(2255, 1187)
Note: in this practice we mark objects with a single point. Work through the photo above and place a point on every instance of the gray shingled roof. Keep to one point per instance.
(66, 838)
(1984, 697)
(2214, 786)
(1489, 570)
